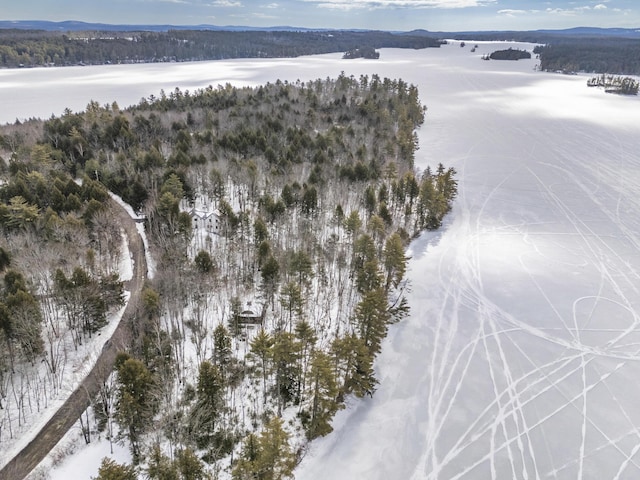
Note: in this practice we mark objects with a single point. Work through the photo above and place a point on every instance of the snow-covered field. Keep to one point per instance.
(521, 356)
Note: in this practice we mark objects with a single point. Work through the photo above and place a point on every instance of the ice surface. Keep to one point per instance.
(520, 359)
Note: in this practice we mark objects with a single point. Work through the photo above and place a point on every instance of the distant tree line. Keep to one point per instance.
(37, 48)
(590, 53)
(620, 56)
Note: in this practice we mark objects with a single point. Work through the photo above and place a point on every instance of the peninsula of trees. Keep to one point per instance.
(20, 48)
(278, 218)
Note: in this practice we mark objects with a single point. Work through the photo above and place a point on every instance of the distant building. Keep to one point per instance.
(208, 221)
(251, 316)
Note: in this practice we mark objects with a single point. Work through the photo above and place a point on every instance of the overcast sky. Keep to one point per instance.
(452, 15)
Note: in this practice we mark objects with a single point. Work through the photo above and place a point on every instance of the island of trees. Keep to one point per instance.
(509, 54)
(615, 84)
(278, 218)
(362, 52)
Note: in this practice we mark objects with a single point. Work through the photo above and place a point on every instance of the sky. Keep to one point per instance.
(434, 15)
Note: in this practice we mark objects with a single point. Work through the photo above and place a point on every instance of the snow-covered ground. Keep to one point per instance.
(521, 356)
(75, 367)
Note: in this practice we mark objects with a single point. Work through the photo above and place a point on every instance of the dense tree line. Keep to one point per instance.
(615, 53)
(315, 195)
(620, 56)
(37, 48)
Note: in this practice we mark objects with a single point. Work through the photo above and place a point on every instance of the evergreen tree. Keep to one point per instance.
(291, 301)
(160, 467)
(262, 353)
(286, 354)
(267, 457)
(270, 277)
(209, 404)
(307, 339)
(354, 361)
(189, 465)
(395, 261)
(372, 318)
(136, 403)
(222, 354)
(245, 468)
(111, 470)
(276, 460)
(323, 396)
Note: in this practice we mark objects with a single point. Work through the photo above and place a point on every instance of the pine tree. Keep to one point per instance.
(111, 470)
(136, 403)
(354, 362)
(245, 467)
(222, 354)
(261, 351)
(291, 301)
(189, 465)
(160, 467)
(323, 395)
(307, 339)
(286, 355)
(372, 318)
(395, 261)
(276, 460)
(209, 404)
(267, 457)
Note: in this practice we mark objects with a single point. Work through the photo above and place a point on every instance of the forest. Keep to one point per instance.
(278, 218)
(28, 48)
(619, 56)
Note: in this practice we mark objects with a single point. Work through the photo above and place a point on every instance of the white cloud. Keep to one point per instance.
(561, 11)
(271, 5)
(226, 3)
(379, 4)
(512, 13)
(578, 9)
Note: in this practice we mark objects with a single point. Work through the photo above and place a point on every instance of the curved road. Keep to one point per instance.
(31, 455)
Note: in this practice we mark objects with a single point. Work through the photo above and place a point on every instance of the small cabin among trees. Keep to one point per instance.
(251, 314)
(207, 221)
(249, 317)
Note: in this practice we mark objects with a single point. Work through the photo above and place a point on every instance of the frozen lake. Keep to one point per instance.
(521, 358)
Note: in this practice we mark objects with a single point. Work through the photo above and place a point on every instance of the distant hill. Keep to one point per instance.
(535, 36)
(72, 25)
(76, 26)
(596, 32)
